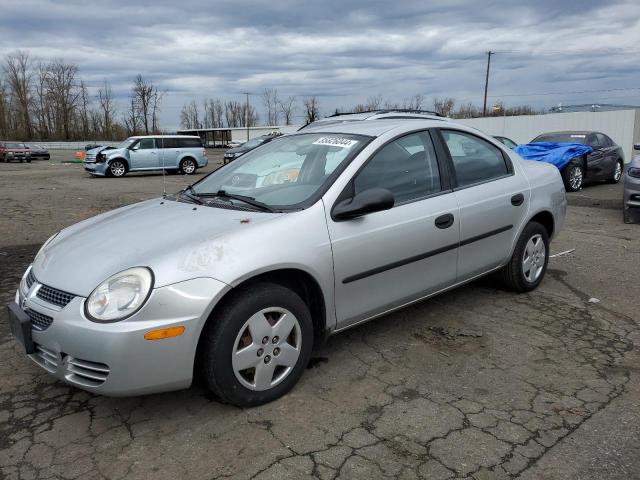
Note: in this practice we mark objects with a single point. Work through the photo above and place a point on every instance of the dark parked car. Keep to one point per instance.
(632, 188)
(604, 163)
(14, 151)
(236, 152)
(39, 153)
(506, 141)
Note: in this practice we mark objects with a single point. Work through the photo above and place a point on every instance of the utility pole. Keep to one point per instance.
(486, 83)
(247, 115)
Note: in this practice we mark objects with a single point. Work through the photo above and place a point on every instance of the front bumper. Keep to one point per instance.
(114, 358)
(632, 192)
(95, 168)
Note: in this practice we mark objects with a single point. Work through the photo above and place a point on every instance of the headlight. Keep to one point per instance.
(634, 172)
(120, 296)
(9, 153)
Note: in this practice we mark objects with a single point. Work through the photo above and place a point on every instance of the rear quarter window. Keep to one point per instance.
(190, 142)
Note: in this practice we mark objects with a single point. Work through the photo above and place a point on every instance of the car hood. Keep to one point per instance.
(167, 236)
(97, 150)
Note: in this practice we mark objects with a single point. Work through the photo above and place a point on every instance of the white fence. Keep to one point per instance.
(623, 126)
(71, 145)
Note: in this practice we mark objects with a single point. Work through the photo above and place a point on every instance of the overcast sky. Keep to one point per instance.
(341, 51)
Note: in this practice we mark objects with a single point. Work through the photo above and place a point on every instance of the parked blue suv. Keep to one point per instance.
(173, 153)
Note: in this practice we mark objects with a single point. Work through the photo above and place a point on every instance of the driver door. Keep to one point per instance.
(389, 258)
(144, 155)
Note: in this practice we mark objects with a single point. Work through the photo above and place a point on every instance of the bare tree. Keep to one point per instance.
(64, 93)
(190, 116)
(271, 101)
(107, 108)
(17, 69)
(287, 108)
(146, 98)
(84, 109)
(444, 106)
(467, 110)
(4, 110)
(311, 109)
(131, 118)
(374, 102)
(414, 103)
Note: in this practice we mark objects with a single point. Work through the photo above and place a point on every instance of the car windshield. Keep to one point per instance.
(15, 145)
(127, 142)
(285, 172)
(562, 138)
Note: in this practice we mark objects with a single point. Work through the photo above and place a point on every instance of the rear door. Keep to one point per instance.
(610, 153)
(389, 258)
(169, 152)
(493, 201)
(596, 160)
(144, 155)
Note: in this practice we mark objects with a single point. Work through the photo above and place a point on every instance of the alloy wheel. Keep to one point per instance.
(618, 173)
(534, 258)
(575, 178)
(117, 169)
(188, 167)
(267, 348)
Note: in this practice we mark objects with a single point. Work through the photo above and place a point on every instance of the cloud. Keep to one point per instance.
(340, 51)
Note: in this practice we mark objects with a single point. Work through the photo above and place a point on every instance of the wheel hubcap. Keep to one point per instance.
(618, 172)
(267, 348)
(576, 178)
(534, 258)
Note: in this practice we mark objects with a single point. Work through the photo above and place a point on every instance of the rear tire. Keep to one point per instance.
(528, 264)
(617, 172)
(573, 176)
(276, 352)
(188, 166)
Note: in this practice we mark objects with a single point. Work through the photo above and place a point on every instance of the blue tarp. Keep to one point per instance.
(558, 154)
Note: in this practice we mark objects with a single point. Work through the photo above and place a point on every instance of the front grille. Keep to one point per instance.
(30, 279)
(85, 372)
(46, 358)
(39, 321)
(52, 295)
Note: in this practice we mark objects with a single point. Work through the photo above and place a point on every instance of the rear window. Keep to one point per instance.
(562, 138)
(177, 142)
(190, 142)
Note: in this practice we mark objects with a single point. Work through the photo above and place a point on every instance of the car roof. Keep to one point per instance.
(570, 132)
(164, 136)
(379, 127)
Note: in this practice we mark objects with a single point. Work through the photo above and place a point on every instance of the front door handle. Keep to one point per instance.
(517, 200)
(444, 221)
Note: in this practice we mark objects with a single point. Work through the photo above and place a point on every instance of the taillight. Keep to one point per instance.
(204, 152)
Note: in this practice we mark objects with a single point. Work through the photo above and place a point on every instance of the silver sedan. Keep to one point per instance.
(241, 274)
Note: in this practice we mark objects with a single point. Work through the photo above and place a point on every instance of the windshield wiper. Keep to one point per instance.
(249, 200)
(193, 196)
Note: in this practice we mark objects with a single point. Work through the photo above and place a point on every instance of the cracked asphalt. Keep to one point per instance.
(547, 387)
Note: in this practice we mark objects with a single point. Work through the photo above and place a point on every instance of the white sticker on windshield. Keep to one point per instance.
(336, 142)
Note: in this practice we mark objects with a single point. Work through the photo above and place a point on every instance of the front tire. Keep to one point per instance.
(617, 172)
(528, 264)
(117, 168)
(257, 346)
(573, 176)
(188, 166)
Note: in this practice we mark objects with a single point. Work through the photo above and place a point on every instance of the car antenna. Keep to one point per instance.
(164, 183)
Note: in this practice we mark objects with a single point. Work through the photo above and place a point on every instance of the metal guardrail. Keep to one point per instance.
(71, 145)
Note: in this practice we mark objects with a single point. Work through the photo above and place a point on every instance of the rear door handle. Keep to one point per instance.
(444, 221)
(517, 200)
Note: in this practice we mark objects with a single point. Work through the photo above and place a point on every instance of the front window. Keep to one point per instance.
(15, 145)
(127, 143)
(285, 172)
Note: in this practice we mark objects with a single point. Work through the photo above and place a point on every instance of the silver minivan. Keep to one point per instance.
(173, 153)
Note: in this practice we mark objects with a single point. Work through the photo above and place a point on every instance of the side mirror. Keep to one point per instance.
(636, 146)
(368, 201)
